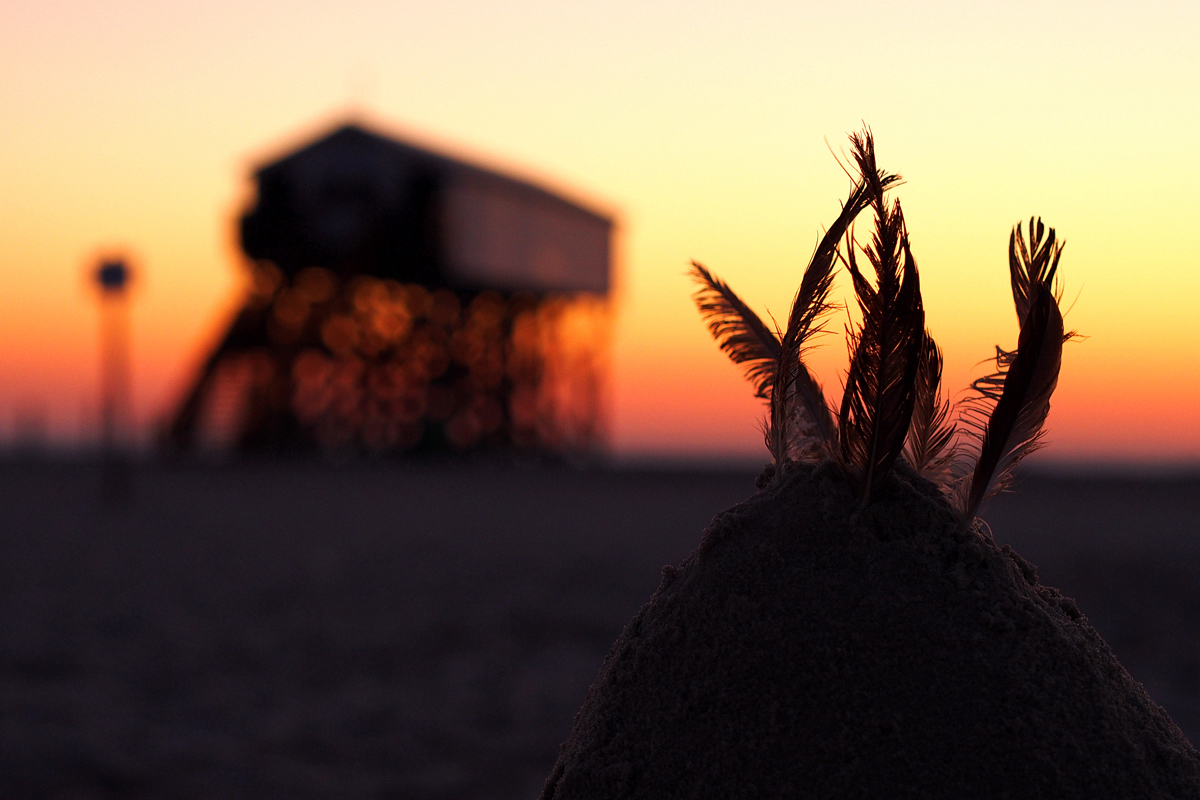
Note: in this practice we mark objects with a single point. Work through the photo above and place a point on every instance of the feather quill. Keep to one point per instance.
(877, 405)
(739, 332)
(928, 448)
(1020, 389)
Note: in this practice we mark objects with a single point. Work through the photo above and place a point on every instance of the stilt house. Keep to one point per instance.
(402, 300)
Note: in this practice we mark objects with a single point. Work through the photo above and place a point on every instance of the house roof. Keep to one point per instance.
(351, 145)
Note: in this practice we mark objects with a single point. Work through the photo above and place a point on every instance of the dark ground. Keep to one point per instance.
(305, 631)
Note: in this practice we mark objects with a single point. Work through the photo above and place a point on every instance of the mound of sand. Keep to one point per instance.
(811, 649)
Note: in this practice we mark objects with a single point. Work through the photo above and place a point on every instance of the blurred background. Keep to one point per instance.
(704, 132)
(326, 615)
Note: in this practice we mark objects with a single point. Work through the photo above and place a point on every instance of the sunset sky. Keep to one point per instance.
(705, 129)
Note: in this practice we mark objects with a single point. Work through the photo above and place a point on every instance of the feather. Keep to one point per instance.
(877, 405)
(747, 340)
(878, 402)
(803, 427)
(1006, 414)
(928, 448)
(1021, 389)
(739, 332)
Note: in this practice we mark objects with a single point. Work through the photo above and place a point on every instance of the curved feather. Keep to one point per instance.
(802, 426)
(1027, 378)
(739, 332)
(1008, 410)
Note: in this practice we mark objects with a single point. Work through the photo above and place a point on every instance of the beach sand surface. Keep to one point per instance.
(425, 630)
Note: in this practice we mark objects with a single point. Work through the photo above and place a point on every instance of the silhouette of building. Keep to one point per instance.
(404, 301)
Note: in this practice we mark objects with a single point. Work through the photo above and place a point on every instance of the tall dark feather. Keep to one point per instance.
(928, 448)
(877, 405)
(802, 425)
(1006, 414)
(1021, 390)
(739, 332)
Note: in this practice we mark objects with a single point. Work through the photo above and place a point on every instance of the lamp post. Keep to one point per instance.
(112, 276)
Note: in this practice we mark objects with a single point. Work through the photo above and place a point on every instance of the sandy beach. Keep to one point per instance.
(425, 631)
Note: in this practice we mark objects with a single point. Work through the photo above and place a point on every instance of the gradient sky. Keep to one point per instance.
(705, 128)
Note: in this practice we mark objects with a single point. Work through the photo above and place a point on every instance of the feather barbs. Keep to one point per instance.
(739, 332)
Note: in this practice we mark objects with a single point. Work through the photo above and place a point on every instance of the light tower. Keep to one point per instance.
(112, 276)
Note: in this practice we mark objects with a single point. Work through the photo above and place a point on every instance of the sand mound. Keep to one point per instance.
(807, 649)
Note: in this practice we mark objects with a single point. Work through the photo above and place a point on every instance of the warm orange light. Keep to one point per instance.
(135, 128)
